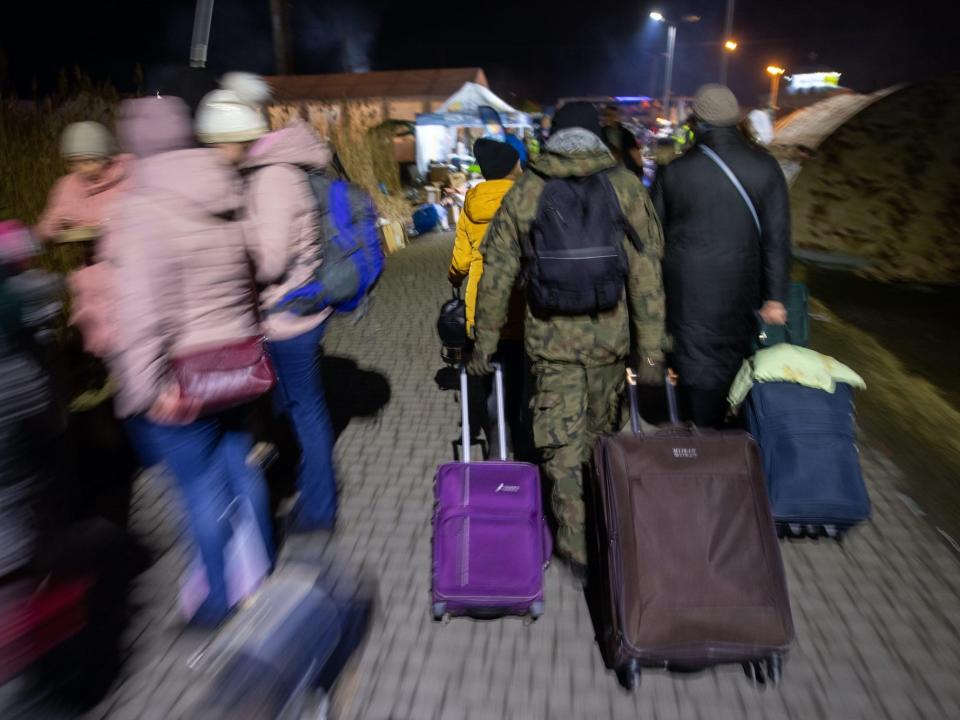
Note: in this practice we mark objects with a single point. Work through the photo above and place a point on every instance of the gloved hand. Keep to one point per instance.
(479, 364)
(650, 371)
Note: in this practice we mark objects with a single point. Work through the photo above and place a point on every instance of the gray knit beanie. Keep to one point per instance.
(716, 105)
(86, 139)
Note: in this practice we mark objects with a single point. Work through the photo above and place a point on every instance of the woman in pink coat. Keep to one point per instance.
(80, 200)
(282, 226)
(181, 283)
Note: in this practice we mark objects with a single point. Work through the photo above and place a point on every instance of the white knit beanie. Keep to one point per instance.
(234, 113)
(87, 140)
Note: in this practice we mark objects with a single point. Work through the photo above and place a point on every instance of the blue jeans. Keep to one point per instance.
(300, 394)
(208, 459)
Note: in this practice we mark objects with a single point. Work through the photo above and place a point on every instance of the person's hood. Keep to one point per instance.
(573, 152)
(203, 176)
(116, 172)
(153, 125)
(296, 144)
(483, 201)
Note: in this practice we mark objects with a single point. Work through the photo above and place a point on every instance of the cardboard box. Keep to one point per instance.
(439, 175)
(393, 237)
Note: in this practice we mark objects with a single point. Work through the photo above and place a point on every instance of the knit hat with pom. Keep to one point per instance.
(234, 113)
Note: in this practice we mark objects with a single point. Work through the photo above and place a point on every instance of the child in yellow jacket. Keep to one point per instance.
(500, 165)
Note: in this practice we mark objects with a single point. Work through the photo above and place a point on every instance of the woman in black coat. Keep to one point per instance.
(722, 263)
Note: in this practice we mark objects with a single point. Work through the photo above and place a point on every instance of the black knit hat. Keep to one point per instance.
(496, 159)
(579, 114)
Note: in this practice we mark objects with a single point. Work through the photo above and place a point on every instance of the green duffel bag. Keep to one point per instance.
(797, 329)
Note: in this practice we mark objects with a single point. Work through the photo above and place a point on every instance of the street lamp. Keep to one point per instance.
(671, 45)
(730, 45)
(775, 73)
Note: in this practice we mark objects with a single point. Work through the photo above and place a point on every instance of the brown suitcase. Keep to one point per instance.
(691, 574)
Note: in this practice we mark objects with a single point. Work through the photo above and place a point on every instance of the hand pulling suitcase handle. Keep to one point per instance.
(465, 411)
(669, 384)
(762, 334)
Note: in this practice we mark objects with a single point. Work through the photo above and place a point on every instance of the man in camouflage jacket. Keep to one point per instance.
(577, 361)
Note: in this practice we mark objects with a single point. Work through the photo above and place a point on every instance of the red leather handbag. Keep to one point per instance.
(226, 376)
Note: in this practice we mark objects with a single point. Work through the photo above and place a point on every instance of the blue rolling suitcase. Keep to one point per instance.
(810, 457)
(283, 651)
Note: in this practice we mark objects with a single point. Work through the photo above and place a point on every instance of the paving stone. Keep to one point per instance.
(878, 618)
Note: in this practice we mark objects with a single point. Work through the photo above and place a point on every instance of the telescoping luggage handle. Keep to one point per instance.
(670, 385)
(465, 411)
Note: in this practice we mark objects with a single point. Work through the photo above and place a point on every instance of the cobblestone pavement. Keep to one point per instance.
(877, 618)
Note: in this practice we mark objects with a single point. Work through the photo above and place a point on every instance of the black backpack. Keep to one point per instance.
(574, 259)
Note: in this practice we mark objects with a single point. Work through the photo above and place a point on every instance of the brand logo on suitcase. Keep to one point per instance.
(502, 487)
(685, 453)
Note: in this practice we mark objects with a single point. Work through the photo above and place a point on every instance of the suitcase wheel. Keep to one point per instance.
(834, 533)
(439, 610)
(628, 674)
(754, 671)
(536, 610)
(775, 669)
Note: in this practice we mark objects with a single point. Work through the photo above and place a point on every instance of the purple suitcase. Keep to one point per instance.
(491, 542)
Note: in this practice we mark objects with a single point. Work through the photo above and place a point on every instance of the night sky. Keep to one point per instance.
(529, 50)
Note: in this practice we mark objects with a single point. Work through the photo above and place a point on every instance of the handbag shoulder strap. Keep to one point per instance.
(736, 183)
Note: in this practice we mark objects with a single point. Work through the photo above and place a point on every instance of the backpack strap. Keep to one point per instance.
(619, 217)
(736, 183)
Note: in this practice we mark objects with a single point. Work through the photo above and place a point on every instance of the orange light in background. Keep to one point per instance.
(774, 70)
(731, 45)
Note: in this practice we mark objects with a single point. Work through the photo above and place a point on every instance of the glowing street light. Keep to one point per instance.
(775, 72)
(671, 45)
(731, 45)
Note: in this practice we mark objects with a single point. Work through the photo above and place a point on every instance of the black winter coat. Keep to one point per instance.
(717, 270)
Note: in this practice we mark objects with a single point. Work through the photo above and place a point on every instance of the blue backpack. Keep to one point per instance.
(349, 245)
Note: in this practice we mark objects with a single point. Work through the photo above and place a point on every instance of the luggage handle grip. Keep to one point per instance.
(669, 382)
(762, 334)
(465, 411)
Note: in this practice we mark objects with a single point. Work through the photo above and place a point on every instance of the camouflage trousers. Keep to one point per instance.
(572, 406)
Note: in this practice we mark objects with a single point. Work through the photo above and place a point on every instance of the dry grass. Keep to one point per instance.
(908, 400)
(29, 142)
(366, 151)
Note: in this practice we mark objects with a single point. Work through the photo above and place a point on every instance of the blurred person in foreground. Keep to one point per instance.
(62, 579)
(79, 203)
(282, 228)
(182, 286)
(718, 270)
(621, 142)
(577, 356)
(500, 165)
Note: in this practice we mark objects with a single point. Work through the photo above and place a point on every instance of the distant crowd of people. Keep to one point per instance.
(610, 275)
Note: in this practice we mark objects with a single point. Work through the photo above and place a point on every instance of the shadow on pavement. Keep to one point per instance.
(352, 392)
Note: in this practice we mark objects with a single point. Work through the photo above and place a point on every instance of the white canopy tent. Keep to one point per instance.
(437, 131)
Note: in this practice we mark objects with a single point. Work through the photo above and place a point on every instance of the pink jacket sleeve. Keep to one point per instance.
(270, 229)
(53, 214)
(146, 277)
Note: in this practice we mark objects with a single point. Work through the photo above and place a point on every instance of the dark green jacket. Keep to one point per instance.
(586, 340)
